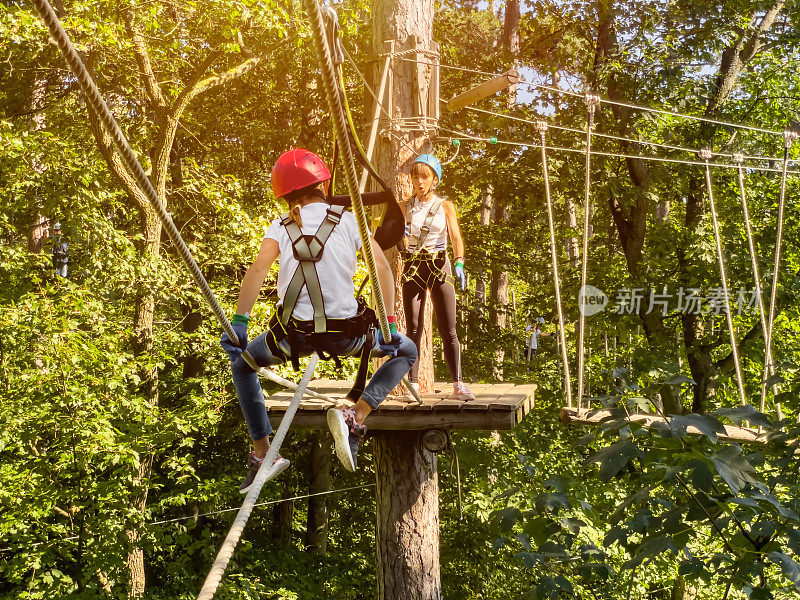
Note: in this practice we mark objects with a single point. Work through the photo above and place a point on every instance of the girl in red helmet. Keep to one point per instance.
(301, 178)
(429, 220)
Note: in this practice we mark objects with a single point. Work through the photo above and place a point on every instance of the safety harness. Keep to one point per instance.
(421, 265)
(308, 250)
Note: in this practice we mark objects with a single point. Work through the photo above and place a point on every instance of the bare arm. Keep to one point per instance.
(254, 278)
(385, 277)
(455, 231)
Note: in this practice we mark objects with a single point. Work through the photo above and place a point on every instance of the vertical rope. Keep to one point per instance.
(789, 137)
(232, 539)
(351, 178)
(768, 366)
(542, 127)
(592, 102)
(705, 154)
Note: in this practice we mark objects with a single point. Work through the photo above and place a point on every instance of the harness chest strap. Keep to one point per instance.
(433, 209)
(308, 250)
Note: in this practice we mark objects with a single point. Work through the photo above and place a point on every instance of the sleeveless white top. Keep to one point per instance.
(437, 236)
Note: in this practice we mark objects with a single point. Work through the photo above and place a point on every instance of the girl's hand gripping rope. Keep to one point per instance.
(239, 325)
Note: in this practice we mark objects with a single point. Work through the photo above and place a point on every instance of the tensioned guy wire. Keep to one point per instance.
(206, 514)
(789, 136)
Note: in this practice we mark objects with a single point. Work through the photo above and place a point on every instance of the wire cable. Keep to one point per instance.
(609, 136)
(460, 135)
(768, 366)
(617, 103)
(789, 137)
(205, 514)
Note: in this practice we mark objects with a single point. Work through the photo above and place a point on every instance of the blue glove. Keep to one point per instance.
(462, 277)
(235, 352)
(390, 349)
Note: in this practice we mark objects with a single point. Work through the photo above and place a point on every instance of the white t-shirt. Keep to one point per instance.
(335, 269)
(437, 236)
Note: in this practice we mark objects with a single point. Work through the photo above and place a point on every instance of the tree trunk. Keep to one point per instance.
(407, 501)
(403, 22)
(319, 481)
(282, 516)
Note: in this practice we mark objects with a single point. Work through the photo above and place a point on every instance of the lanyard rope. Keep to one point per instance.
(591, 104)
(542, 126)
(705, 154)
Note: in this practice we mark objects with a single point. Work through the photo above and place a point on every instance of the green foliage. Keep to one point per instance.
(548, 512)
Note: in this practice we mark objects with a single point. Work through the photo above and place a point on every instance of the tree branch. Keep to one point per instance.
(143, 61)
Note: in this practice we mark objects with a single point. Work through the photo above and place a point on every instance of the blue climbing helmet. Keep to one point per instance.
(432, 162)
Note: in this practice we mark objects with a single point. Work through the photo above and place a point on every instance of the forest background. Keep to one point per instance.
(120, 435)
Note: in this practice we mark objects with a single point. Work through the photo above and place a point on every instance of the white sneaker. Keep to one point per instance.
(409, 397)
(461, 392)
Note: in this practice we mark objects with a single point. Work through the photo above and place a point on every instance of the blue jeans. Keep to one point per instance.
(251, 397)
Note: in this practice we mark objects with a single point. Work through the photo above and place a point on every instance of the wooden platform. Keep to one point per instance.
(496, 406)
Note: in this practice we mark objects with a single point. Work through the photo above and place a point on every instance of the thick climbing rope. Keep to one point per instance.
(351, 178)
(706, 155)
(768, 366)
(542, 127)
(789, 136)
(592, 102)
(109, 123)
(226, 551)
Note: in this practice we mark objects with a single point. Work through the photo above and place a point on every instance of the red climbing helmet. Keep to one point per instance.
(296, 169)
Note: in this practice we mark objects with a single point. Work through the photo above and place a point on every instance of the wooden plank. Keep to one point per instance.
(407, 421)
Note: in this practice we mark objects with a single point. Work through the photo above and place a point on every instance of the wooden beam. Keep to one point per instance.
(571, 416)
(484, 90)
(405, 420)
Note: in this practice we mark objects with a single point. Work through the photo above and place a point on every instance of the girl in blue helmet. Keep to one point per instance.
(430, 218)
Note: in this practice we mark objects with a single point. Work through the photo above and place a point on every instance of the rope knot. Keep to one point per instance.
(541, 126)
(738, 158)
(705, 153)
(592, 101)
